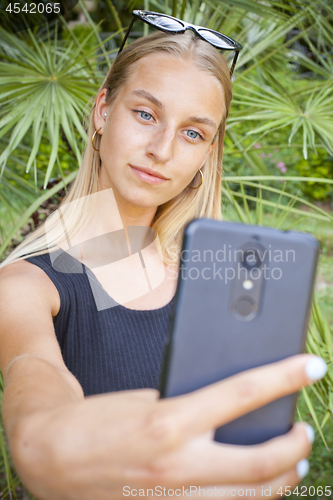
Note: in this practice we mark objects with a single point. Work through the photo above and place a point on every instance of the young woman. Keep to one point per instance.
(155, 160)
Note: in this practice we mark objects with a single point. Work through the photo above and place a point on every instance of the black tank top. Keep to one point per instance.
(112, 349)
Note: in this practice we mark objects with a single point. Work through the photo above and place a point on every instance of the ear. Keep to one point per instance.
(101, 108)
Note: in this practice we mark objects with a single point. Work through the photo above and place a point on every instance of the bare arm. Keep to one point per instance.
(30, 359)
(67, 447)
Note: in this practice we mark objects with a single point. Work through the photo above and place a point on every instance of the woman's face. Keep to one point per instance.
(163, 120)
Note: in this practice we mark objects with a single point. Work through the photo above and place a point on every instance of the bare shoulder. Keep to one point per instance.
(28, 300)
(29, 278)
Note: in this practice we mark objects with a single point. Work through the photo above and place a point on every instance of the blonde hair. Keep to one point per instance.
(171, 217)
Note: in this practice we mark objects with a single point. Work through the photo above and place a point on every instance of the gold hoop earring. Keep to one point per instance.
(202, 177)
(93, 137)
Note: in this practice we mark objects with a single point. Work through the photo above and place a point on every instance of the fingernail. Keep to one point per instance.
(310, 433)
(316, 368)
(302, 468)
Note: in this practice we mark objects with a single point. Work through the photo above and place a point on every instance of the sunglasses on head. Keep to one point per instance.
(171, 24)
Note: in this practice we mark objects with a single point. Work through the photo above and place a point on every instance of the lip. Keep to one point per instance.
(148, 175)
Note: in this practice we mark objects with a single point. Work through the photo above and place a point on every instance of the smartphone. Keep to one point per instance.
(243, 300)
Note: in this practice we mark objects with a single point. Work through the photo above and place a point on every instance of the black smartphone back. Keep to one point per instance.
(243, 300)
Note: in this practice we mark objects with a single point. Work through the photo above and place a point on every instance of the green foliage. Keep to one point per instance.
(320, 166)
(32, 208)
(321, 458)
(41, 92)
(81, 32)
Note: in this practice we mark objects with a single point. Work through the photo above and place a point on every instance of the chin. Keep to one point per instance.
(143, 200)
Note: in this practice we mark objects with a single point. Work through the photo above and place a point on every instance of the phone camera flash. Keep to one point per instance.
(247, 284)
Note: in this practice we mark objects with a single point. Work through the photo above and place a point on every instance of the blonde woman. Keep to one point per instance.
(81, 368)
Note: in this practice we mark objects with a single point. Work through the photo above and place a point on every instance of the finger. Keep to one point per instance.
(276, 488)
(208, 408)
(206, 462)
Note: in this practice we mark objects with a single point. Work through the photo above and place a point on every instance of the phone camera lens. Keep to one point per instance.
(245, 308)
(251, 259)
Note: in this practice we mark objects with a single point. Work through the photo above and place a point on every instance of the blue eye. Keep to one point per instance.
(144, 114)
(193, 132)
(195, 136)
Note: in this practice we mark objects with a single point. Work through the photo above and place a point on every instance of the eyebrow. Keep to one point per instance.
(154, 100)
(150, 97)
(206, 121)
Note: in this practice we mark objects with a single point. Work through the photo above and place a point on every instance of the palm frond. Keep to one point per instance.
(45, 81)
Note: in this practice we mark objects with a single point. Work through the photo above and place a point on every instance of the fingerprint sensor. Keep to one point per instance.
(245, 309)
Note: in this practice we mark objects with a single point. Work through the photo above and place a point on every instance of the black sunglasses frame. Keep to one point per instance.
(140, 14)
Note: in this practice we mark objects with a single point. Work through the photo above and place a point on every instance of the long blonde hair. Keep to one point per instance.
(171, 217)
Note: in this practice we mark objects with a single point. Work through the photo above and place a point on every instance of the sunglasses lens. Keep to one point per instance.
(221, 42)
(164, 22)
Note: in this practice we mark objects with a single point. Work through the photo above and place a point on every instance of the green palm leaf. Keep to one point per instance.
(45, 82)
(313, 115)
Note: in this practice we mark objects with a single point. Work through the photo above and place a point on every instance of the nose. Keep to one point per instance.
(161, 145)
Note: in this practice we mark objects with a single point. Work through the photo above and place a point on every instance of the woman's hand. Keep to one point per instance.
(110, 446)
